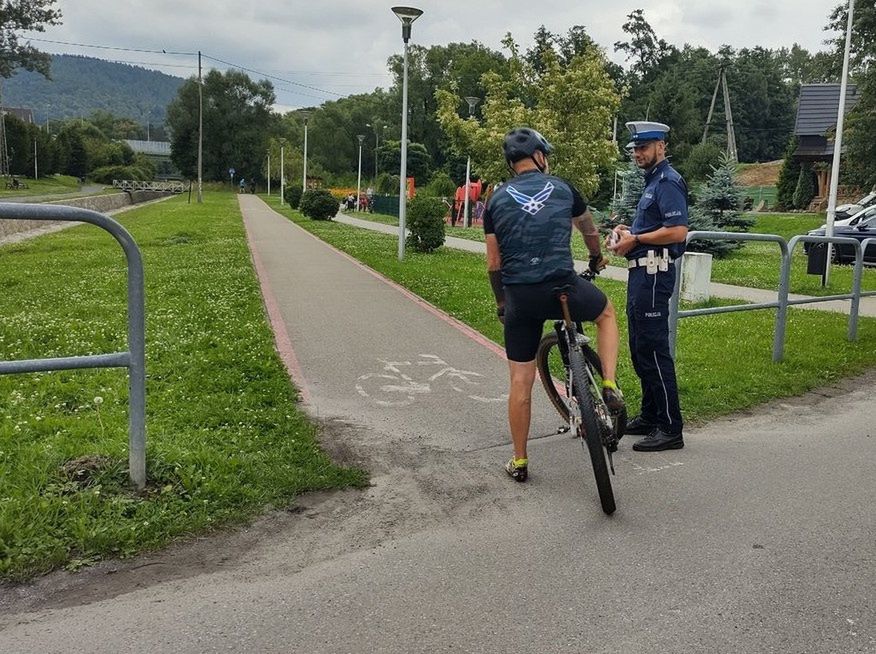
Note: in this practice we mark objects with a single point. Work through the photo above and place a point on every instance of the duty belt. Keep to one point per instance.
(661, 262)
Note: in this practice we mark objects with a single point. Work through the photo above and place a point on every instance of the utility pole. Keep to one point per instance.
(36, 170)
(200, 133)
(728, 114)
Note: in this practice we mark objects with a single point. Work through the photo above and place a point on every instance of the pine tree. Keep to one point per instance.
(721, 198)
(805, 190)
(623, 208)
(701, 221)
(788, 177)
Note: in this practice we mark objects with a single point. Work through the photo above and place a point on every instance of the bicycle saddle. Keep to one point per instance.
(564, 288)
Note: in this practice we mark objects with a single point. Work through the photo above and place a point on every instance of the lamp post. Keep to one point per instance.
(837, 146)
(361, 138)
(407, 15)
(282, 172)
(466, 217)
(200, 133)
(305, 115)
(269, 173)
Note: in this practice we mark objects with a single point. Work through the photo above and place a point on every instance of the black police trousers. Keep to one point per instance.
(648, 324)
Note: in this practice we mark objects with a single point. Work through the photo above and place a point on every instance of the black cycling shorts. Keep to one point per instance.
(527, 306)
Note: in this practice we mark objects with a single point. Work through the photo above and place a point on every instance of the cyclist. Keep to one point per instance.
(528, 226)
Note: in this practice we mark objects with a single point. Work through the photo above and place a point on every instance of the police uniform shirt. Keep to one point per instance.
(531, 217)
(663, 204)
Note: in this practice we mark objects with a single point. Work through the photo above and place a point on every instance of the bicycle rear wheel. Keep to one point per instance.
(591, 434)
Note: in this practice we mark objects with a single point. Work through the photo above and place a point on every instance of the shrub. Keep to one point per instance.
(293, 196)
(106, 174)
(318, 204)
(426, 222)
(387, 184)
(441, 186)
(698, 165)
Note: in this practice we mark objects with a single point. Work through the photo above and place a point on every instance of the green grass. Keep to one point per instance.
(225, 438)
(724, 361)
(42, 186)
(758, 265)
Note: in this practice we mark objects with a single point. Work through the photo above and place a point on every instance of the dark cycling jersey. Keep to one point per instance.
(531, 217)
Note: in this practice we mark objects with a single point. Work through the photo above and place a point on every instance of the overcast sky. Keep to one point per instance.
(339, 47)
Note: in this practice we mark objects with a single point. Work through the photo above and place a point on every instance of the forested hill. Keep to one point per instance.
(82, 85)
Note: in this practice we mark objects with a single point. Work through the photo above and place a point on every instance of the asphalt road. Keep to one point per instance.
(759, 536)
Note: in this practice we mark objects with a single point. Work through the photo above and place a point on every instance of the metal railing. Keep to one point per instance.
(134, 359)
(782, 300)
(135, 185)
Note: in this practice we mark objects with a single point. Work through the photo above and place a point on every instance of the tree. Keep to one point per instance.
(24, 15)
(237, 124)
(632, 184)
(419, 161)
(788, 177)
(805, 189)
(644, 49)
(721, 198)
(572, 105)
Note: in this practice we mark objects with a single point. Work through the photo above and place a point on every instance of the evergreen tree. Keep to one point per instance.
(623, 208)
(699, 220)
(788, 177)
(721, 198)
(805, 189)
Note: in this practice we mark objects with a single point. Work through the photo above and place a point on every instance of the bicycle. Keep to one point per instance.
(571, 374)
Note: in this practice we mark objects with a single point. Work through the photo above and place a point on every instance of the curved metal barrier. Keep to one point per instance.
(782, 301)
(134, 359)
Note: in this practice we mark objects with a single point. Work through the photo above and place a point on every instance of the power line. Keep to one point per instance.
(279, 79)
(109, 47)
(192, 54)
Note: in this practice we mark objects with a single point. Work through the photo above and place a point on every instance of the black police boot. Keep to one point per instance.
(639, 427)
(658, 441)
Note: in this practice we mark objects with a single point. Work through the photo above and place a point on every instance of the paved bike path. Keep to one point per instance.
(371, 352)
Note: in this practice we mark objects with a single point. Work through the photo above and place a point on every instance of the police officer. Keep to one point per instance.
(528, 227)
(651, 245)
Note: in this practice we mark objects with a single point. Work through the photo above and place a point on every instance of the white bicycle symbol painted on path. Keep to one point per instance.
(394, 387)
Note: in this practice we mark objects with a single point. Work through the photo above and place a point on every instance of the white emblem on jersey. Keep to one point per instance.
(531, 205)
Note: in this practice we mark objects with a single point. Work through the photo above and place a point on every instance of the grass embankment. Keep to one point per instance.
(755, 265)
(42, 186)
(224, 436)
(724, 361)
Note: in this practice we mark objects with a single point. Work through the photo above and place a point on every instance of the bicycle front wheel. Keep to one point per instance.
(553, 372)
(590, 430)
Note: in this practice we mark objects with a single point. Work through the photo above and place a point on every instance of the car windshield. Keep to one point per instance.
(867, 200)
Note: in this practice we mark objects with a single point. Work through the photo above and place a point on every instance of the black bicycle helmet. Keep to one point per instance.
(524, 142)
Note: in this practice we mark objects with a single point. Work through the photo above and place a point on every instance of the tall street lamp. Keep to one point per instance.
(466, 217)
(407, 15)
(305, 115)
(282, 172)
(361, 138)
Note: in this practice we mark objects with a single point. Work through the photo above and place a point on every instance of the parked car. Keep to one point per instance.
(853, 220)
(846, 211)
(864, 229)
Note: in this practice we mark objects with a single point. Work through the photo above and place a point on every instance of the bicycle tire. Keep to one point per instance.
(590, 435)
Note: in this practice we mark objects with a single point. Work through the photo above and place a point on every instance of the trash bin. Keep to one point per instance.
(816, 263)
